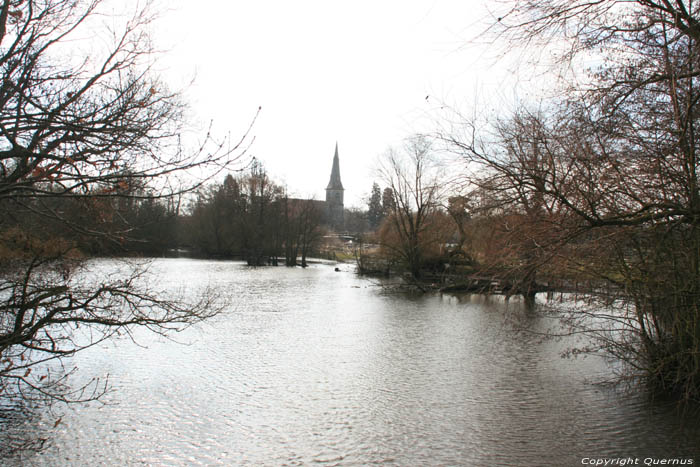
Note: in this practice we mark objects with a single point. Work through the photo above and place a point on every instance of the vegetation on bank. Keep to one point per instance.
(600, 184)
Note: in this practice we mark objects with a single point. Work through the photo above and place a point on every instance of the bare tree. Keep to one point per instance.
(83, 126)
(416, 188)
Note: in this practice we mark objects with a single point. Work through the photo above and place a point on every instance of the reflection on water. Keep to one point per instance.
(316, 366)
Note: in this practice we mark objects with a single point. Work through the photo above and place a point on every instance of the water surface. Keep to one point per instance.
(317, 367)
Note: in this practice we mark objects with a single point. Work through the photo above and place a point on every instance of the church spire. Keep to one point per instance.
(335, 183)
(334, 196)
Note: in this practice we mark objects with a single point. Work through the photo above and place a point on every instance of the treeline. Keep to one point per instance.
(117, 218)
(247, 217)
(251, 217)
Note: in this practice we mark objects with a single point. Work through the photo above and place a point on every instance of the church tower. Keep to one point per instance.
(334, 195)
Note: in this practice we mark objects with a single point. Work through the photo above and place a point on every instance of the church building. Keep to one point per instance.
(331, 212)
(334, 196)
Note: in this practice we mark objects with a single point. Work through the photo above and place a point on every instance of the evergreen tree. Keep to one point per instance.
(388, 203)
(375, 212)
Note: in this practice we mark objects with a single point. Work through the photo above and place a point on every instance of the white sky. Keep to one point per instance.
(324, 71)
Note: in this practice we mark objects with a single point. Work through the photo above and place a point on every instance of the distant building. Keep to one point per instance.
(331, 211)
(334, 196)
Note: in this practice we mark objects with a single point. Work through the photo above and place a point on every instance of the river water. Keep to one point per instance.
(318, 367)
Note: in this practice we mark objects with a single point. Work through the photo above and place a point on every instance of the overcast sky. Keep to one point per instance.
(356, 73)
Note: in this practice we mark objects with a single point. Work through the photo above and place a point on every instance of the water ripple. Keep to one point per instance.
(314, 367)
